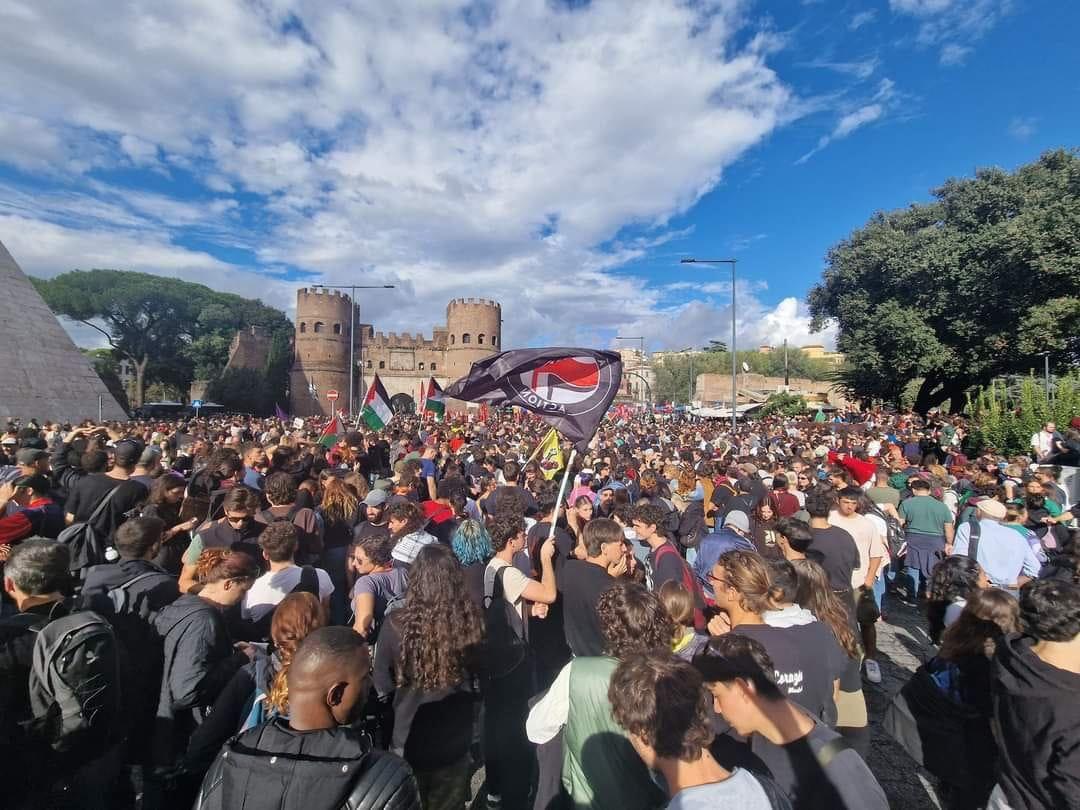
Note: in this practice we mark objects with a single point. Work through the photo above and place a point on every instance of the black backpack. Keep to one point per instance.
(507, 646)
(74, 685)
(85, 544)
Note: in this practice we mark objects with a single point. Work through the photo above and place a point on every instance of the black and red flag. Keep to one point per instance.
(570, 389)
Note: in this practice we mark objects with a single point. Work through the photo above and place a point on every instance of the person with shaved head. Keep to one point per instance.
(316, 758)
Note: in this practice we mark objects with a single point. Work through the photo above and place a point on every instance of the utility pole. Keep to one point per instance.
(787, 383)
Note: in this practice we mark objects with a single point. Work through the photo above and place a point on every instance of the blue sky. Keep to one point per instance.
(558, 156)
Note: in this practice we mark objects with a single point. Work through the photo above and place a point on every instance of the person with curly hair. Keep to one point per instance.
(426, 661)
(598, 759)
(378, 582)
(660, 702)
(952, 583)
(1036, 718)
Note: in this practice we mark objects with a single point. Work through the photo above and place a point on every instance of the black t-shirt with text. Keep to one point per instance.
(807, 659)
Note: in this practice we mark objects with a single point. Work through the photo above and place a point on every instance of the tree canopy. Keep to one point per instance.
(975, 284)
(173, 331)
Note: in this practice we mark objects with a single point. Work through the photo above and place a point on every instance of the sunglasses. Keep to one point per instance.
(723, 583)
(238, 521)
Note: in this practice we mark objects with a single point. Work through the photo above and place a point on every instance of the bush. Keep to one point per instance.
(784, 404)
(1004, 417)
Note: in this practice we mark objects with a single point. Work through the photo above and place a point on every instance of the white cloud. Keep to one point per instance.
(447, 147)
(867, 113)
(952, 25)
(953, 54)
(860, 69)
(1023, 127)
(862, 18)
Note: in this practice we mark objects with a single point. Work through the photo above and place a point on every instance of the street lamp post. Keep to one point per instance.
(689, 350)
(352, 288)
(641, 358)
(734, 379)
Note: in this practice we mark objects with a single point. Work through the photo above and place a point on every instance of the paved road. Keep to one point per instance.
(903, 645)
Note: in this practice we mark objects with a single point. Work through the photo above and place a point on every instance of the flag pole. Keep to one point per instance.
(562, 492)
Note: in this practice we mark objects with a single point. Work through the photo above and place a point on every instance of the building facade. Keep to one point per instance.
(404, 363)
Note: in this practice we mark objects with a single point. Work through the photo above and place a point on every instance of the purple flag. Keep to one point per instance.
(570, 389)
(280, 414)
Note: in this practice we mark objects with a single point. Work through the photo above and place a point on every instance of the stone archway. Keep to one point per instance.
(402, 403)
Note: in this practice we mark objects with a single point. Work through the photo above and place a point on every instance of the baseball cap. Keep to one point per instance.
(29, 455)
(38, 483)
(377, 497)
(737, 520)
(127, 452)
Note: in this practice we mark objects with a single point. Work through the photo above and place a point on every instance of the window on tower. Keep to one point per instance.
(318, 326)
(432, 366)
(453, 340)
(480, 338)
(466, 338)
(337, 328)
(303, 327)
(420, 366)
(494, 340)
(369, 364)
(382, 364)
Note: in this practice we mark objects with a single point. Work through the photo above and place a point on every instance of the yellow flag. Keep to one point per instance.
(549, 455)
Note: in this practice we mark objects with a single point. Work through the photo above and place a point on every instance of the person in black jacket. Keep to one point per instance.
(1036, 679)
(130, 594)
(199, 655)
(319, 761)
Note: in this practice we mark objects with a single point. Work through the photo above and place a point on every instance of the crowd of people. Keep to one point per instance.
(243, 613)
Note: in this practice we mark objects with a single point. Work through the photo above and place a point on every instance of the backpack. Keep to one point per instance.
(689, 582)
(85, 544)
(507, 648)
(74, 684)
(125, 603)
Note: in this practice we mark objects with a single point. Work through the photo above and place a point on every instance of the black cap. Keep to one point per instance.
(38, 483)
(127, 452)
(29, 455)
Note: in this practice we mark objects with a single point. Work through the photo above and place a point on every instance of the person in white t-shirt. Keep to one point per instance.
(1043, 442)
(873, 550)
(278, 543)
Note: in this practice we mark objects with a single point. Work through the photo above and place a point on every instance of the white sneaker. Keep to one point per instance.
(873, 671)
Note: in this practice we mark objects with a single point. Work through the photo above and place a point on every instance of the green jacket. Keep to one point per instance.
(600, 767)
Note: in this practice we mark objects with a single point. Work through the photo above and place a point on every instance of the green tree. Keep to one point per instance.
(172, 331)
(673, 373)
(784, 404)
(957, 291)
(104, 363)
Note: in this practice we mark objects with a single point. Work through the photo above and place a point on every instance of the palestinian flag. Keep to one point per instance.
(435, 401)
(331, 433)
(376, 411)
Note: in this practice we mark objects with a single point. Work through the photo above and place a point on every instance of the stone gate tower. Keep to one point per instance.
(474, 331)
(321, 355)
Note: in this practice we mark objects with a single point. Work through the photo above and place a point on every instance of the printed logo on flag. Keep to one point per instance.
(573, 386)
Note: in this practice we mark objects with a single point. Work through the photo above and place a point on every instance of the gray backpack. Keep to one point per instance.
(75, 684)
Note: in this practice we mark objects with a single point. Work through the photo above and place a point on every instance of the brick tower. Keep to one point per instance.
(474, 327)
(322, 351)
